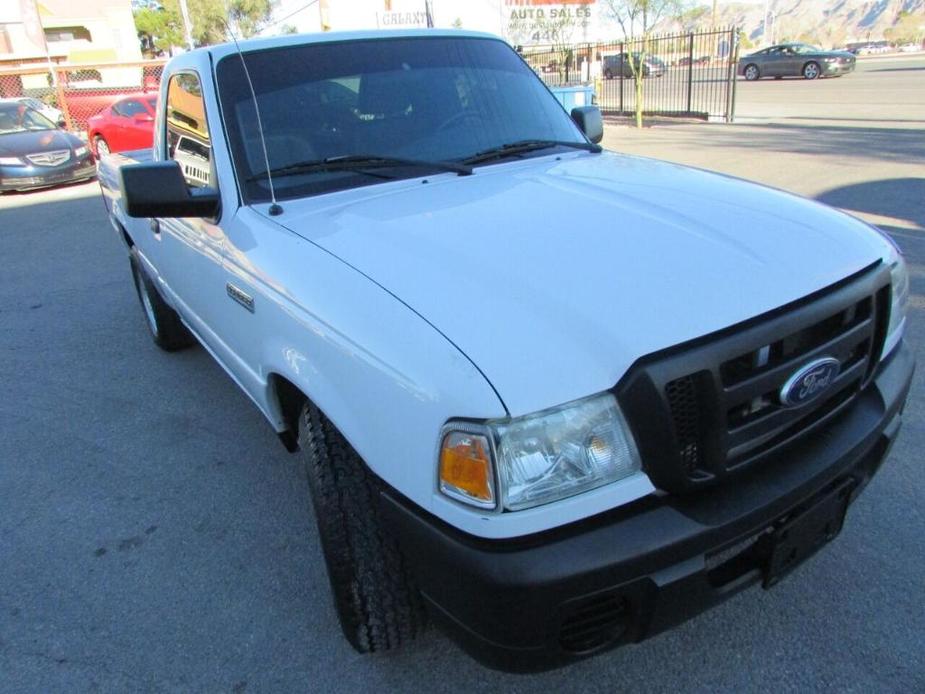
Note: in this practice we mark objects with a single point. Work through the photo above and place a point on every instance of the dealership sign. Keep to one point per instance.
(401, 20)
(548, 21)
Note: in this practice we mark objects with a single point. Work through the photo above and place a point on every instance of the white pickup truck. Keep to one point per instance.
(554, 398)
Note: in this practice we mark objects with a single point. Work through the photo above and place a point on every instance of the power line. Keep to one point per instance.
(291, 14)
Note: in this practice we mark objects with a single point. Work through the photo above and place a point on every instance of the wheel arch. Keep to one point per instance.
(287, 399)
(123, 232)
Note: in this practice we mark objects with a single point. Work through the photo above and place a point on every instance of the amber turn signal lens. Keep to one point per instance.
(465, 467)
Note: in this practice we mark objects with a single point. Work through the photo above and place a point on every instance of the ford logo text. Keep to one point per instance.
(809, 382)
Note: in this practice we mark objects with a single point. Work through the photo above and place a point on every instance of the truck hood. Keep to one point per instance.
(555, 274)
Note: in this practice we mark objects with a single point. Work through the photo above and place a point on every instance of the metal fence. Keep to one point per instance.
(76, 92)
(689, 74)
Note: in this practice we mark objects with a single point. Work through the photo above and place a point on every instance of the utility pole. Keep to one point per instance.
(767, 16)
(187, 31)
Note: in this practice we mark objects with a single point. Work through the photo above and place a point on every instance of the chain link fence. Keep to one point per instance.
(72, 93)
(689, 74)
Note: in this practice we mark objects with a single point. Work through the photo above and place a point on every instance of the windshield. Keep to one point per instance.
(804, 48)
(17, 118)
(434, 99)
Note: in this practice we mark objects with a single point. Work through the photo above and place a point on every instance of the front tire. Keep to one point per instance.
(101, 147)
(811, 70)
(167, 330)
(376, 601)
(752, 73)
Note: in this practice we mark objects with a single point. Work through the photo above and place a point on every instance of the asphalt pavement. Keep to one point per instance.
(888, 90)
(154, 536)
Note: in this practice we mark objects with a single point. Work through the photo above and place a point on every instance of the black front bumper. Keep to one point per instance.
(27, 177)
(539, 602)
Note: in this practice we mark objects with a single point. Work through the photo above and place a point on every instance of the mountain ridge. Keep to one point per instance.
(824, 22)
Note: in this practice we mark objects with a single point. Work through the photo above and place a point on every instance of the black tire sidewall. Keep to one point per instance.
(142, 288)
(168, 331)
(376, 602)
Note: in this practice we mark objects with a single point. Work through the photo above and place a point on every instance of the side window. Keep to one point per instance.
(187, 130)
(129, 108)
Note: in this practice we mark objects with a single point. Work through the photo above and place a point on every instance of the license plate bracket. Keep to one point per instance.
(803, 534)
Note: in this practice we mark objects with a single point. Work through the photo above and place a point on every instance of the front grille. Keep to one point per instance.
(686, 415)
(54, 158)
(719, 398)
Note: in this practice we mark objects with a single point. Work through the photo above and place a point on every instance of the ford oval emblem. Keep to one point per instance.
(809, 382)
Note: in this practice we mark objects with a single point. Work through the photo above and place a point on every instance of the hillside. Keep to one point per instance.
(825, 22)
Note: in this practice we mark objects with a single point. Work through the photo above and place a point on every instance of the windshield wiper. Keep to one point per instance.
(359, 162)
(523, 146)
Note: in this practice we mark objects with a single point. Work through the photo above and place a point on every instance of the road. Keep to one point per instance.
(155, 537)
(887, 90)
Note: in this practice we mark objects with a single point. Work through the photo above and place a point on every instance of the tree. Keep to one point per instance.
(694, 18)
(159, 29)
(744, 41)
(160, 25)
(247, 17)
(908, 28)
(637, 18)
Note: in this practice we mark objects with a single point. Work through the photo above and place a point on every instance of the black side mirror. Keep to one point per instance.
(158, 189)
(62, 123)
(589, 119)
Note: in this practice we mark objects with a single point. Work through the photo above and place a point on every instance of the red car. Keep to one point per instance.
(124, 125)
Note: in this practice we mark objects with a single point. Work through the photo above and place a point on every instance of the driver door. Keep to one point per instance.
(774, 62)
(790, 62)
(189, 250)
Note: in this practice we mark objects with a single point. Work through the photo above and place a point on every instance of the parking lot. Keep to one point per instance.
(154, 535)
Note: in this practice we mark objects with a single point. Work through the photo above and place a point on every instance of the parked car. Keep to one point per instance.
(699, 60)
(796, 60)
(615, 65)
(50, 112)
(126, 124)
(34, 152)
(559, 398)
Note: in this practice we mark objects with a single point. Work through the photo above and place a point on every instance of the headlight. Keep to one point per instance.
(899, 290)
(80, 151)
(538, 458)
(10, 161)
(831, 60)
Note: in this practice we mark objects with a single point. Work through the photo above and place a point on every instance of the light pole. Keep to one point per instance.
(187, 32)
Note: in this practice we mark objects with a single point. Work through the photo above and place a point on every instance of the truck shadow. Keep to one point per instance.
(894, 198)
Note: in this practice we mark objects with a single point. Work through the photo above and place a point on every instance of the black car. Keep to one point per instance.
(615, 65)
(34, 152)
(796, 60)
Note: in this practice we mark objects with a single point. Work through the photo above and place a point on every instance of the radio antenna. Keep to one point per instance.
(275, 209)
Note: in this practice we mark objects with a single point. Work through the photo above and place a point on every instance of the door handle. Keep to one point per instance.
(155, 226)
